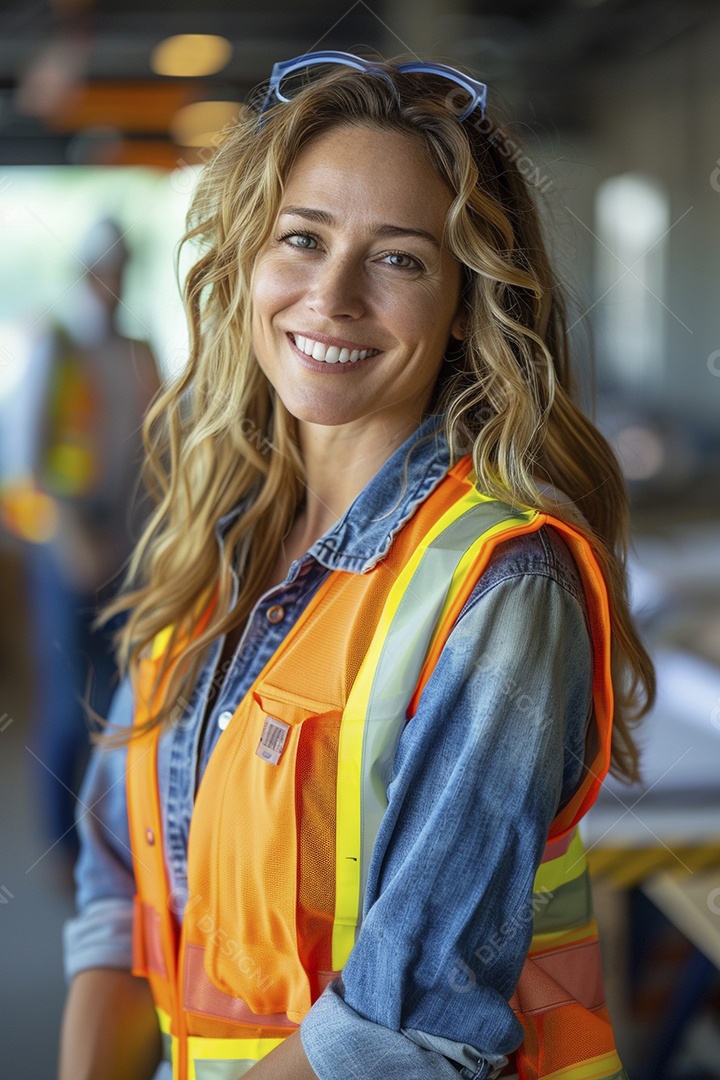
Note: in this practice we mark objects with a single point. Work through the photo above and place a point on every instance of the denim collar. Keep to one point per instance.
(363, 535)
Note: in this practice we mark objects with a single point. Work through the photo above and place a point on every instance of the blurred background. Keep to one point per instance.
(108, 110)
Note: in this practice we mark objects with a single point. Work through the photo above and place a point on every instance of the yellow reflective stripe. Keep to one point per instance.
(348, 830)
(160, 642)
(556, 872)
(379, 697)
(163, 1020)
(201, 611)
(558, 938)
(602, 1067)
(233, 1057)
(225, 1058)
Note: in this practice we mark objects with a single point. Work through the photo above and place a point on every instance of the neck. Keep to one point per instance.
(339, 463)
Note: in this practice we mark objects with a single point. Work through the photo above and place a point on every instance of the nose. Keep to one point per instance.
(337, 289)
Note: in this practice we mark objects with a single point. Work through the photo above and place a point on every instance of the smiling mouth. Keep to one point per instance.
(330, 354)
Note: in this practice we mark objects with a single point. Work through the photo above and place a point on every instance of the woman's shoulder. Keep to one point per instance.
(542, 553)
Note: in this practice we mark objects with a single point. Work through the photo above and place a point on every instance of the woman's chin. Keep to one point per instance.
(326, 414)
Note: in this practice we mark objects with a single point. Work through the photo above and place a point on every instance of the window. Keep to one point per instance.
(632, 221)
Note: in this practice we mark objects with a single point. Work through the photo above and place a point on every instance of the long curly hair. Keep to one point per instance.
(219, 438)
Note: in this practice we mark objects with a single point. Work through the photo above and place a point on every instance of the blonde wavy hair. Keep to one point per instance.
(219, 436)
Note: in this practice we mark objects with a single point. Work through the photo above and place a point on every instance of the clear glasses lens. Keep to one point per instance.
(298, 78)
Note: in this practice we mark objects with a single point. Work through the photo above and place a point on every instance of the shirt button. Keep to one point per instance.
(224, 719)
(275, 614)
(150, 836)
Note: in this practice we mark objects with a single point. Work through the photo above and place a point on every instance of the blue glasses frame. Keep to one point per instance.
(477, 90)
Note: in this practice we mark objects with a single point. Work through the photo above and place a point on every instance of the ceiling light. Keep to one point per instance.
(190, 55)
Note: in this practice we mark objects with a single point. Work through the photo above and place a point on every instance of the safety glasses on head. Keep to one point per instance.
(281, 78)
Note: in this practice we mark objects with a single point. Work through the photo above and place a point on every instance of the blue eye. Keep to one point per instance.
(298, 240)
(409, 263)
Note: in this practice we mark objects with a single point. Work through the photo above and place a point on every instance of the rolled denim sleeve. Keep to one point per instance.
(100, 935)
(494, 749)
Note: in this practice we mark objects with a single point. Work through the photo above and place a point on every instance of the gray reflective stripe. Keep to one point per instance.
(568, 907)
(222, 1070)
(402, 657)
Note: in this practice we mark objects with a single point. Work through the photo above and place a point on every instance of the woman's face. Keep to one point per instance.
(354, 298)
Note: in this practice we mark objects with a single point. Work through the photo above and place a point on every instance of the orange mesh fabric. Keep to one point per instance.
(317, 756)
(562, 1038)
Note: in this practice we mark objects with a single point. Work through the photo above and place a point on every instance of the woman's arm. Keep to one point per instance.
(495, 746)
(287, 1062)
(110, 1029)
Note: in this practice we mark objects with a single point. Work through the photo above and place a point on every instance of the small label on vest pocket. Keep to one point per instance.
(273, 739)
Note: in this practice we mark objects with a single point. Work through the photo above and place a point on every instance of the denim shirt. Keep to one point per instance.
(493, 751)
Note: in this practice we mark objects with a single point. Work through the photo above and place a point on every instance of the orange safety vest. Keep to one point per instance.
(290, 803)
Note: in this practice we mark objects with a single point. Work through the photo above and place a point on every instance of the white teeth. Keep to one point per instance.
(330, 354)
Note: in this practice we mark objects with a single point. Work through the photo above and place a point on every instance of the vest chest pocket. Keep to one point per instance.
(262, 857)
(285, 715)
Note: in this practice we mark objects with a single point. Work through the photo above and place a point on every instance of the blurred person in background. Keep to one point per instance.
(74, 496)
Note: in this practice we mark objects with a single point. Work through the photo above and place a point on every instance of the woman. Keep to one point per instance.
(369, 641)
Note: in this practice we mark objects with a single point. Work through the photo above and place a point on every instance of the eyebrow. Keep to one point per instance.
(322, 217)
